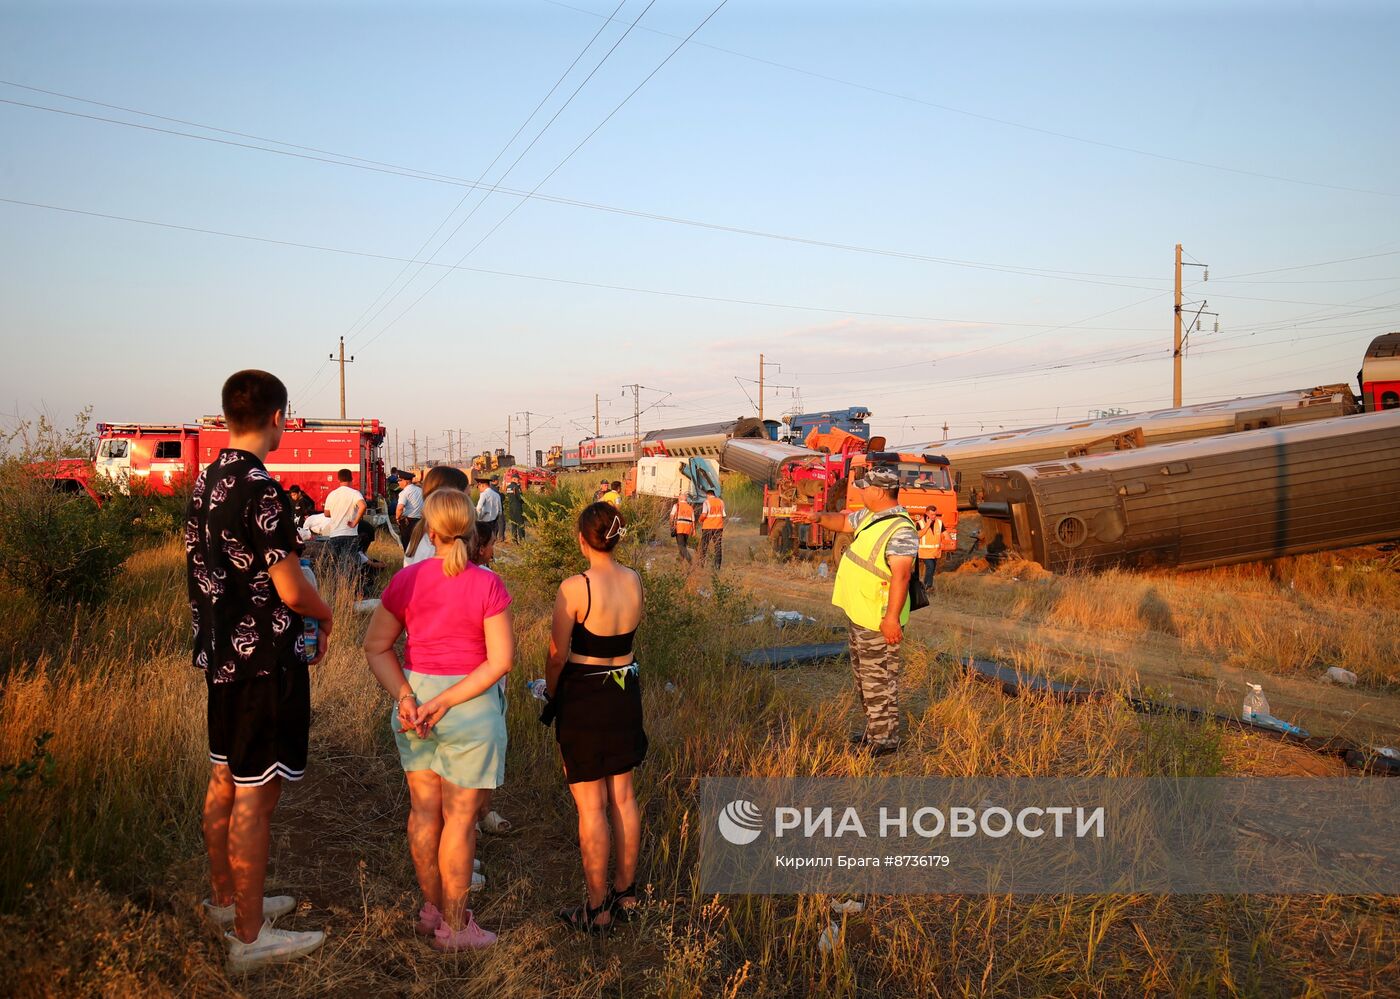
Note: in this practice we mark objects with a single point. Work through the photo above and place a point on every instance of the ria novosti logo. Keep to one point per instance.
(740, 822)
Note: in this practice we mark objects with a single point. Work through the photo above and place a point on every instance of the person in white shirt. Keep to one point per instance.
(410, 508)
(344, 506)
(488, 508)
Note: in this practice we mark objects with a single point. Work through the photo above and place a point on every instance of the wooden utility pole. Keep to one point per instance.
(343, 362)
(760, 388)
(1176, 335)
(1178, 348)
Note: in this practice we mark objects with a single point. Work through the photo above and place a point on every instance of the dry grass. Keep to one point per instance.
(101, 871)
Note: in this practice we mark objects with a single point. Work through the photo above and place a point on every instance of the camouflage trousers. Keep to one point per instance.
(875, 663)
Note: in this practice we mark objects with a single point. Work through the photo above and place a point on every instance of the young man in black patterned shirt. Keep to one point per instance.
(248, 596)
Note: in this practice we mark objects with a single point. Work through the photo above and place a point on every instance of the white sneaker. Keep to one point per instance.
(273, 906)
(272, 946)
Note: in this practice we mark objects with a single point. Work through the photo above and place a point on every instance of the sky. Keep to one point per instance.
(947, 215)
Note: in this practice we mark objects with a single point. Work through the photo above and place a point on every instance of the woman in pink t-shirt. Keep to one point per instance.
(449, 721)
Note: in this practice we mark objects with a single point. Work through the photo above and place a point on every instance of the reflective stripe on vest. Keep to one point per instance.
(863, 577)
(712, 514)
(931, 540)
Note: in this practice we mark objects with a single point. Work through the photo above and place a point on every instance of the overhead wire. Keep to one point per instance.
(1015, 124)
(570, 155)
(362, 163)
(538, 135)
(480, 177)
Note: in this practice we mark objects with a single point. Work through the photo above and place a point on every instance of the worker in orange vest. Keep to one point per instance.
(930, 544)
(683, 525)
(712, 517)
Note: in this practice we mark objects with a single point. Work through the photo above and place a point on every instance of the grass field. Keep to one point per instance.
(101, 867)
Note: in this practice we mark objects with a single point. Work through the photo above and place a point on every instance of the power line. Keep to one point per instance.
(1013, 124)
(377, 166)
(480, 177)
(570, 155)
(633, 289)
(506, 173)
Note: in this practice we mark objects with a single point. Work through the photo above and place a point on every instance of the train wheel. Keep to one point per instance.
(838, 548)
(780, 539)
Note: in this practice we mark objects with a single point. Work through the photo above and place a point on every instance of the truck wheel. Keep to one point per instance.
(780, 539)
(838, 548)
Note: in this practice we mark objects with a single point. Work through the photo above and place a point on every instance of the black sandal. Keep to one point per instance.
(580, 917)
(623, 913)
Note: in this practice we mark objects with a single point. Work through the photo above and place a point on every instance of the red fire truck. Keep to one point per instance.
(163, 458)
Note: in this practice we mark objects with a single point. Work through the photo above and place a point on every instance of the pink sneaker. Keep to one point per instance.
(469, 937)
(429, 919)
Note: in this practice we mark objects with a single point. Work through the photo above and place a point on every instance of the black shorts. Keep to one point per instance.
(258, 727)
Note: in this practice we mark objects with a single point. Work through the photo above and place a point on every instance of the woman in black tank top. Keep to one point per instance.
(595, 701)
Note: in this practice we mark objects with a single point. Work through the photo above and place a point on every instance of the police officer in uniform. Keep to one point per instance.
(872, 587)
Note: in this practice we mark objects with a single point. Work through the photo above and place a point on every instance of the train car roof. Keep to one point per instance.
(699, 430)
(1086, 430)
(1385, 345)
(1208, 447)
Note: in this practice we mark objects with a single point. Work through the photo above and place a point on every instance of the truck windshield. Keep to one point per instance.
(113, 448)
(920, 476)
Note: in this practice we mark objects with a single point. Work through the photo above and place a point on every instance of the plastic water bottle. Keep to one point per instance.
(536, 689)
(1255, 703)
(822, 570)
(311, 628)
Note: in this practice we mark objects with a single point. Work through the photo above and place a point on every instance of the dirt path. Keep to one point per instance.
(1150, 660)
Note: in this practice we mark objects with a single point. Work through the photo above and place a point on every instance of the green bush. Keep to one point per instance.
(58, 547)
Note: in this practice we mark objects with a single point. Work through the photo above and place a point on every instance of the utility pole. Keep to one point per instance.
(761, 365)
(1176, 335)
(461, 443)
(597, 423)
(343, 363)
(1177, 350)
(508, 451)
(398, 455)
(415, 449)
(945, 430)
(636, 419)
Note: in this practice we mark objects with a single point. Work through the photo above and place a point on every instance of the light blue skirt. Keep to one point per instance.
(467, 747)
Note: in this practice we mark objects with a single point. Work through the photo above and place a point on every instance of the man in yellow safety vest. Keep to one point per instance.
(683, 525)
(872, 587)
(712, 518)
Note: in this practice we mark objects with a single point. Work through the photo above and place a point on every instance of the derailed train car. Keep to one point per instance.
(972, 457)
(1193, 504)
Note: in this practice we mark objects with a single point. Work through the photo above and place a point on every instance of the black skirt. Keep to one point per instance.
(598, 721)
